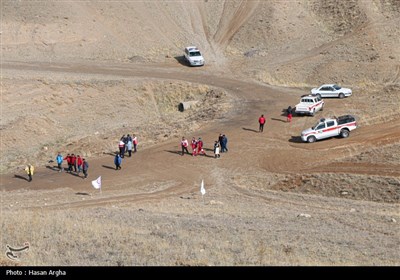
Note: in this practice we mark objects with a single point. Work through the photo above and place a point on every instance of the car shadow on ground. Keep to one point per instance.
(249, 129)
(296, 139)
(182, 60)
(20, 177)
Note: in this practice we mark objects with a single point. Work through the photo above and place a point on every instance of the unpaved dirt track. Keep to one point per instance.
(271, 151)
(77, 75)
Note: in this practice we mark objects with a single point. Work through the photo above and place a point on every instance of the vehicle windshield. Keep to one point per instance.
(194, 54)
(337, 87)
(318, 123)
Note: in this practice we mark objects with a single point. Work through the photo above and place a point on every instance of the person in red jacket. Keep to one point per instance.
(261, 121)
(79, 162)
(194, 146)
(200, 149)
(73, 162)
(69, 159)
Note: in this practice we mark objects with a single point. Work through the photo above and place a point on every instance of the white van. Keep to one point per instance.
(193, 56)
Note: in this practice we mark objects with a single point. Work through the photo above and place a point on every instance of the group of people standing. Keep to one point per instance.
(75, 162)
(198, 146)
(125, 145)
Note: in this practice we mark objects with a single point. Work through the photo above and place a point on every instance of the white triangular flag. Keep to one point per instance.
(202, 189)
(97, 183)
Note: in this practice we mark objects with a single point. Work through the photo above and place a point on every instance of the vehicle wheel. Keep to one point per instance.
(319, 95)
(344, 133)
(311, 139)
(341, 95)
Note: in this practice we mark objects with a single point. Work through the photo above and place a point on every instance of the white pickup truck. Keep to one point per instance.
(326, 128)
(309, 105)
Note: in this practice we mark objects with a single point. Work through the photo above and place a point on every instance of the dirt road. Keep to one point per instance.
(276, 150)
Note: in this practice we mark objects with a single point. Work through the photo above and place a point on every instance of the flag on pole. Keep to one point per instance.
(202, 189)
(97, 183)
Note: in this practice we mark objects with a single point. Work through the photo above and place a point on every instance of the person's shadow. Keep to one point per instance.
(54, 168)
(109, 167)
(249, 129)
(174, 152)
(280, 120)
(20, 177)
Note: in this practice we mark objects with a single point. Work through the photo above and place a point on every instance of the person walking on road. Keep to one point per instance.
(261, 121)
(29, 170)
(117, 161)
(224, 143)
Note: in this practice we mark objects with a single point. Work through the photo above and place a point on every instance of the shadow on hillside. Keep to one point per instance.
(20, 177)
(249, 129)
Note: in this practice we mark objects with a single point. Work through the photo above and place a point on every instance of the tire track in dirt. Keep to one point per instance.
(230, 22)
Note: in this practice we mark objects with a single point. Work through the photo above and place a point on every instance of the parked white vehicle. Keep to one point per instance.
(309, 105)
(326, 128)
(194, 56)
(331, 90)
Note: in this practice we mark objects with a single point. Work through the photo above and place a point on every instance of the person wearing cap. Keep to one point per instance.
(29, 170)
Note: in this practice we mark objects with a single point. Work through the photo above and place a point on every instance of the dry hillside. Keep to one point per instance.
(77, 75)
